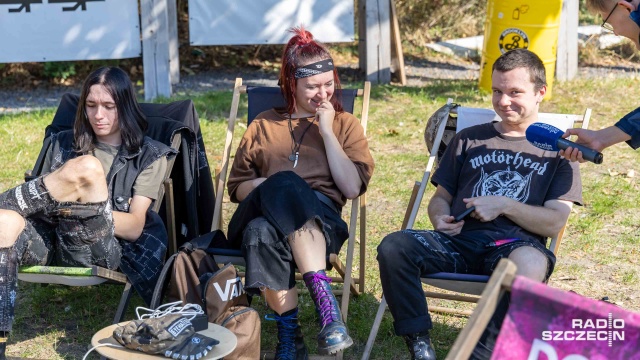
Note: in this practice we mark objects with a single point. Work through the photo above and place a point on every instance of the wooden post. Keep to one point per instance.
(174, 56)
(377, 41)
(362, 34)
(397, 57)
(567, 50)
(155, 48)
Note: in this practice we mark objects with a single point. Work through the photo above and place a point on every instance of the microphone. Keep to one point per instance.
(548, 137)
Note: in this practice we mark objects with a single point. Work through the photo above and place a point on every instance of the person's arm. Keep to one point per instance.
(244, 175)
(246, 187)
(128, 226)
(439, 211)
(546, 220)
(343, 171)
(626, 129)
(594, 139)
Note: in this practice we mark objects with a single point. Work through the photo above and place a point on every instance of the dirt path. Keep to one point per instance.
(419, 71)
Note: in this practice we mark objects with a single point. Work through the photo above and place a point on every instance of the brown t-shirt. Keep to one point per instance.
(480, 161)
(266, 146)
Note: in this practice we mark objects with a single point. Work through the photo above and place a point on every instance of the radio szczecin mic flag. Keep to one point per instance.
(548, 137)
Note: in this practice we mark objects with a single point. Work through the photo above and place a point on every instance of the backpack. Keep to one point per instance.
(227, 305)
(430, 131)
(195, 278)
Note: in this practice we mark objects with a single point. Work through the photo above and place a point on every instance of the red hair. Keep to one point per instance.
(302, 50)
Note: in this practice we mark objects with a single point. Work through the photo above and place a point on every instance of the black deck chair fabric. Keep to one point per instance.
(191, 175)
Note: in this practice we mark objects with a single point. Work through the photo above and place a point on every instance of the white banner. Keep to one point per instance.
(246, 22)
(62, 30)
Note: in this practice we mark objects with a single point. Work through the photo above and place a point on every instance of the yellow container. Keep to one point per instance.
(514, 25)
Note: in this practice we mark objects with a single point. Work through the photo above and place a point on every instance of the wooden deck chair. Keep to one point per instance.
(448, 120)
(264, 98)
(162, 128)
(536, 309)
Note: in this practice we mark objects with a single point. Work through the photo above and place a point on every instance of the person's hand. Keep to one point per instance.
(445, 224)
(325, 113)
(487, 207)
(587, 138)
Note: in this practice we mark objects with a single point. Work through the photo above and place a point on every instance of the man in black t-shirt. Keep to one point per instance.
(522, 195)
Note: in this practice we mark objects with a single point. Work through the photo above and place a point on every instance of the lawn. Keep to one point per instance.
(598, 257)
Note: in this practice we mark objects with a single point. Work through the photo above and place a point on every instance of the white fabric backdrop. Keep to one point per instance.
(246, 22)
(105, 30)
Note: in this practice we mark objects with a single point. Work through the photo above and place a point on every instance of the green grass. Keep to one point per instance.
(598, 257)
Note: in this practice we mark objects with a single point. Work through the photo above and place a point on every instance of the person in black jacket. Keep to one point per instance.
(92, 205)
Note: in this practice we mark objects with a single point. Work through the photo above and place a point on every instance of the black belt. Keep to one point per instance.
(327, 201)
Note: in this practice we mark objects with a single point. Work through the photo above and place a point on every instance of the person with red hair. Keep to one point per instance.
(293, 171)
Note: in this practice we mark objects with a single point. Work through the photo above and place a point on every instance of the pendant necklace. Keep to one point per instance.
(295, 146)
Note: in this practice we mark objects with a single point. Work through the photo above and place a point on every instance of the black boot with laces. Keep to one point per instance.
(290, 341)
(420, 346)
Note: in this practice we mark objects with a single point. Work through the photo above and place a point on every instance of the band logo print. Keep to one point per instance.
(20, 199)
(608, 329)
(511, 39)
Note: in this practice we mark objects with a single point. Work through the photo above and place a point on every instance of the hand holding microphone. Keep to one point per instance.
(589, 138)
(548, 137)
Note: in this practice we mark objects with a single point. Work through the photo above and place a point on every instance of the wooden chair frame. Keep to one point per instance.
(472, 284)
(499, 282)
(94, 275)
(358, 207)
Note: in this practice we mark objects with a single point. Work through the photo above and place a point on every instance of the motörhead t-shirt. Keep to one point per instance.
(479, 161)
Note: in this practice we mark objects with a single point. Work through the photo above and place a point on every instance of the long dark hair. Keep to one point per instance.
(301, 50)
(131, 120)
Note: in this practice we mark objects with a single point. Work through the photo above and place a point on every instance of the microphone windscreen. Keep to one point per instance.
(544, 136)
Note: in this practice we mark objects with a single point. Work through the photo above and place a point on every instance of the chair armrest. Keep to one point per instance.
(172, 246)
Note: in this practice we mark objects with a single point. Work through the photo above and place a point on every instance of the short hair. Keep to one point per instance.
(302, 49)
(131, 120)
(599, 5)
(523, 58)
